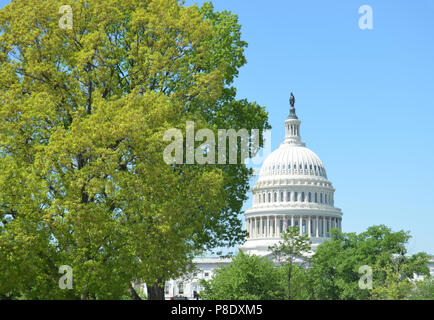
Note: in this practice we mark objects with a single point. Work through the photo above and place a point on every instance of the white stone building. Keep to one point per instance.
(292, 190)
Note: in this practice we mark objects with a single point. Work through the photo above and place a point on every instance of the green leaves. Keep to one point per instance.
(336, 262)
(247, 277)
(82, 118)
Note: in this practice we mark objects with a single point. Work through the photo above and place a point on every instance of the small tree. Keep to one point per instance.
(424, 290)
(247, 277)
(292, 246)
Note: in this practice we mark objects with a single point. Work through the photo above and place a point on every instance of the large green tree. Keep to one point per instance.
(83, 112)
(336, 265)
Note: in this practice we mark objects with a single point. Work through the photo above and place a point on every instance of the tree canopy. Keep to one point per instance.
(247, 277)
(82, 118)
(336, 264)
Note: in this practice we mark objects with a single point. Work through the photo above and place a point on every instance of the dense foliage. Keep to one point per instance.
(83, 112)
(248, 277)
(333, 272)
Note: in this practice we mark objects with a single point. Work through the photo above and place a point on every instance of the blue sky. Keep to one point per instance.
(365, 98)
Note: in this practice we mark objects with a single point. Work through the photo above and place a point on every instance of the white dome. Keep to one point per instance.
(292, 190)
(291, 159)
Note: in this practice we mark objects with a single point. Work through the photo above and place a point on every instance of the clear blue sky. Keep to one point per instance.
(365, 98)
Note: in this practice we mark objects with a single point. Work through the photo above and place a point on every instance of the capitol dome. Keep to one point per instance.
(292, 190)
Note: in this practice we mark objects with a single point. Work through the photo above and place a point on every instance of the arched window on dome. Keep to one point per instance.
(300, 166)
(316, 197)
(275, 197)
(309, 197)
(305, 167)
(288, 196)
(295, 199)
(289, 166)
(259, 198)
(320, 197)
(281, 196)
(325, 198)
(269, 197)
(302, 197)
(295, 166)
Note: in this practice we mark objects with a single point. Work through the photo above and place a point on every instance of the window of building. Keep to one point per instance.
(166, 288)
(288, 196)
(295, 196)
(275, 197)
(181, 288)
(309, 197)
(320, 197)
(316, 197)
(281, 197)
(269, 197)
(302, 197)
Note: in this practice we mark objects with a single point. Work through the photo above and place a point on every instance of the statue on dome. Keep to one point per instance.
(292, 100)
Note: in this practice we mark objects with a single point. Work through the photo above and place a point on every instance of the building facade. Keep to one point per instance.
(292, 190)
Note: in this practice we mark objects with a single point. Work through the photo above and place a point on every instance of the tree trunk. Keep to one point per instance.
(289, 282)
(133, 293)
(156, 291)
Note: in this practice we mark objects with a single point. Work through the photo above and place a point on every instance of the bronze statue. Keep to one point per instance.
(292, 100)
(292, 114)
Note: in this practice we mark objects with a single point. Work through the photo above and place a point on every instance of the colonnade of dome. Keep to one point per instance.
(271, 226)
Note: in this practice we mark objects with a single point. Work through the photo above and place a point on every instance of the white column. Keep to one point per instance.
(278, 226)
(256, 227)
(261, 228)
(323, 227)
(330, 223)
(292, 220)
(275, 226)
(309, 226)
(251, 227)
(300, 224)
(316, 227)
(267, 229)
